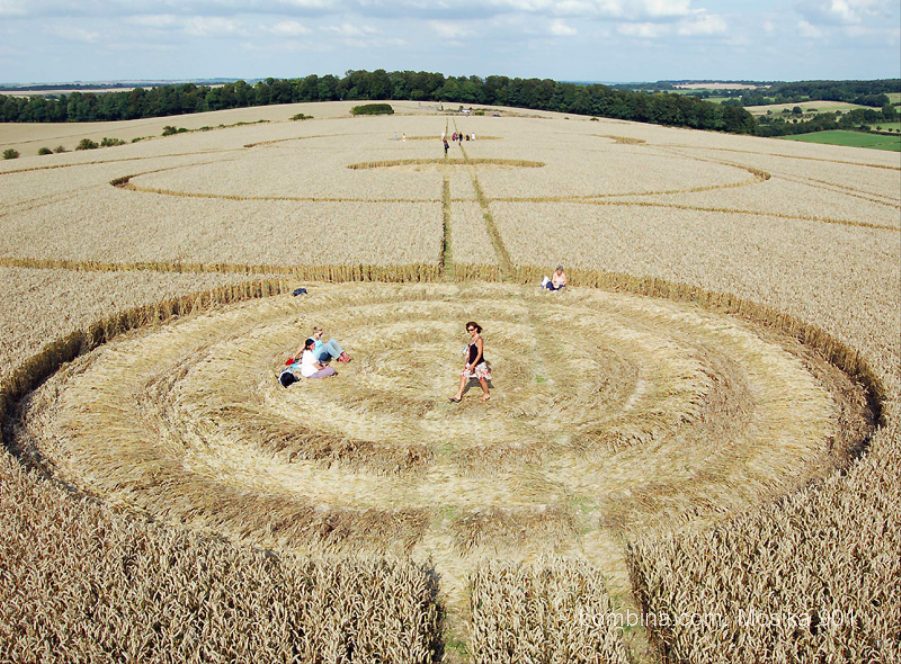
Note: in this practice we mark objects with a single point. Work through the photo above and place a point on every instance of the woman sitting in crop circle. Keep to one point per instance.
(476, 364)
(326, 351)
(310, 366)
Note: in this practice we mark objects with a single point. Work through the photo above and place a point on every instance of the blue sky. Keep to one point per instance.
(605, 40)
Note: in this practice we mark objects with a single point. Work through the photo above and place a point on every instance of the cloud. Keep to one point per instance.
(843, 12)
(352, 30)
(289, 28)
(642, 30)
(809, 30)
(13, 8)
(310, 5)
(212, 26)
(155, 20)
(450, 29)
(702, 24)
(560, 28)
(697, 24)
(74, 33)
(611, 9)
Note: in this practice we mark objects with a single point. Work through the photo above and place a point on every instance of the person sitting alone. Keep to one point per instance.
(557, 280)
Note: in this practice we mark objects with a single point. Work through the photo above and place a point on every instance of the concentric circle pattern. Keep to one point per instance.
(609, 412)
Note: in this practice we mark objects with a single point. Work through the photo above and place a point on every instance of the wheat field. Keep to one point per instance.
(704, 425)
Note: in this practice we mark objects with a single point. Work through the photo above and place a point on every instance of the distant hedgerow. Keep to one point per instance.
(372, 109)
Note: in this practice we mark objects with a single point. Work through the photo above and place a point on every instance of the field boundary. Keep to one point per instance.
(408, 273)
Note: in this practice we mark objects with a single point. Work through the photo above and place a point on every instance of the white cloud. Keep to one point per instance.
(809, 30)
(155, 20)
(74, 33)
(352, 30)
(12, 8)
(289, 28)
(622, 9)
(698, 24)
(844, 12)
(310, 4)
(702, 24)
(663, 8)
(212, 26)
(450, 29)
(642, 30)
(560, 28)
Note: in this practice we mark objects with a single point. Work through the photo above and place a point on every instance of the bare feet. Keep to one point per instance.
(454, 399)
(485, 397)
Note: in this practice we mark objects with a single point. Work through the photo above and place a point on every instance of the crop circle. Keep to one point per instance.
(610, 412)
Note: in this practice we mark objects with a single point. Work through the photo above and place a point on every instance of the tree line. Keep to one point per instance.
(793, 122)
(537, 94)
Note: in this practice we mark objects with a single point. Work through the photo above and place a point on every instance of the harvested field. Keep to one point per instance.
(721, 376)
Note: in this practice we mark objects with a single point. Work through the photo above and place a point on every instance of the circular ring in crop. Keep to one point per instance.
(609, 413)
(444, 163)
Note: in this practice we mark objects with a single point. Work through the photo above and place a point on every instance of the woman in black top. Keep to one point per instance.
(476, 364)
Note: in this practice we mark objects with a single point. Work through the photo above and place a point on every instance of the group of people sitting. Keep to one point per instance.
(312, 359)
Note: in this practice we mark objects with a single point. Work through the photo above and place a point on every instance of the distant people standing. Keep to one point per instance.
(446, 146)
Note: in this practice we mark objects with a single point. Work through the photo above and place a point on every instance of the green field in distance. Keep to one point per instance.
(857, 139)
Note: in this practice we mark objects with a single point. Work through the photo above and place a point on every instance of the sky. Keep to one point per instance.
(573, 40)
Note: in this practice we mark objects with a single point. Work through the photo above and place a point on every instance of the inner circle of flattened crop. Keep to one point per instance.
(446, 162)
(136, 182)
(606, 409)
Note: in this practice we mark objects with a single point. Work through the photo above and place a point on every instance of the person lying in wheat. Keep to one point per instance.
(325, 351)
(476, 364)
